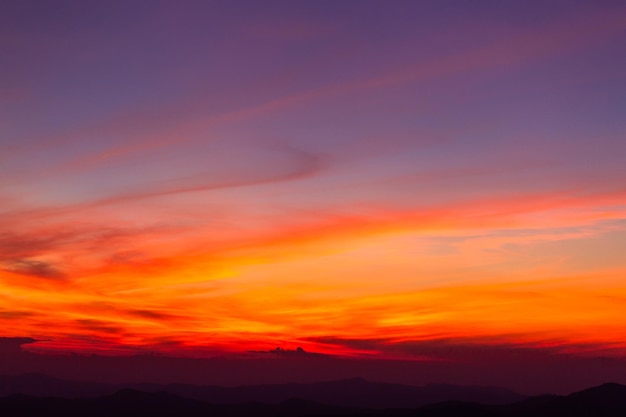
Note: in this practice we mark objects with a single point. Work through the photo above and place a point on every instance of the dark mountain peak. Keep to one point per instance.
(609, 393)
(611, 386)
(608, 388)
(604, 400)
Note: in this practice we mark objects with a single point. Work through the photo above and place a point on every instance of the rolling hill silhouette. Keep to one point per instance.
(354, 392)
(608, 400)
(133, 403)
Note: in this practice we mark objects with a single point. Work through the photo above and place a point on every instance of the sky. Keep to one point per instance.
(427, 181)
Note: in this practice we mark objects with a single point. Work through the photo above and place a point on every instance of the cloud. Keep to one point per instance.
(100, 326)
(374, 344)
(26, 244)
(76, 244)
(151, 314)
(15, 314)
(14, 344)
(276, 163)
(297, 352)
(212, 168)
(34, 268)
(478, 350)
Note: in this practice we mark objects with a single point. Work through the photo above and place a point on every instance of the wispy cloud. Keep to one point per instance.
(34, 268)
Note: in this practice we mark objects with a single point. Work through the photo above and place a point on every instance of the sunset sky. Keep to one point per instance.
(366, 179)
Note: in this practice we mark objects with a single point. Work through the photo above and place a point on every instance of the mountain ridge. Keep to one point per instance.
(608, 400)
(351, 392)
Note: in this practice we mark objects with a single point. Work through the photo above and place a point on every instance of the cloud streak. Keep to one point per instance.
(34, 268)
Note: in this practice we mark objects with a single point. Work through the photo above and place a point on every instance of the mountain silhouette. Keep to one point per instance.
(47, 386)
(354, 392)
(607, 400)
(133, 403)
